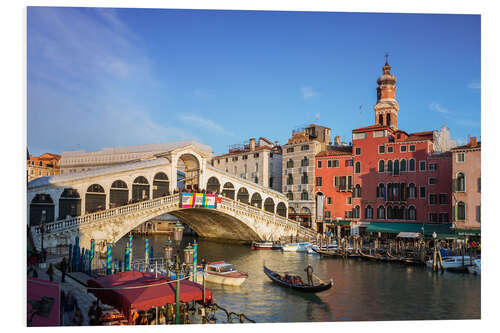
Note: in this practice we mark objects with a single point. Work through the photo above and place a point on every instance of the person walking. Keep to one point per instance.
(64, 267)
(309, 271)
(70, 305)
(50, 272)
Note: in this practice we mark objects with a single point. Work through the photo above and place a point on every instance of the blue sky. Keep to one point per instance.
(112, 77)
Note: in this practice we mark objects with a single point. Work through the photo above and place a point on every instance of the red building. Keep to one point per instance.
(397, 177)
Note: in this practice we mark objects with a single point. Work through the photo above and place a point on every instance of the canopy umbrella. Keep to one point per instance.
(142, 291)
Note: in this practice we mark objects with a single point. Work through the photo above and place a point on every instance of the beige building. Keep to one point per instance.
(256, 160)
(298, 171)
(467, 188)
(43, 166)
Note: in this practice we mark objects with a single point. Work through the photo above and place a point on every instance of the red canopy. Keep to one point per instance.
(151, 292)
(43, 300)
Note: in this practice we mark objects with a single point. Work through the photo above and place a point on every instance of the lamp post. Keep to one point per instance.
(434, 264)
(42, 231)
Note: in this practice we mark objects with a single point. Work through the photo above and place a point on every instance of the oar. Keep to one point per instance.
(318, 278)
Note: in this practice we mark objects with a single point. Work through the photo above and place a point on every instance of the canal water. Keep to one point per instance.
(361, 291)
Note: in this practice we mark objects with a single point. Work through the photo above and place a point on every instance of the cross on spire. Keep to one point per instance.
(386, 57)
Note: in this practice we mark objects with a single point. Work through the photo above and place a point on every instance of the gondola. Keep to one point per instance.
(328, 253)
(304, 288)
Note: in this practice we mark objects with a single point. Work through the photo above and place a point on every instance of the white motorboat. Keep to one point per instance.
(296, 247)
(331, 247)
(451, 262)
(262, 246)
(475, 268)
(224, 273)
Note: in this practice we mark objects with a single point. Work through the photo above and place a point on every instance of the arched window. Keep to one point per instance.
(389, 166)
(402, 166)
(357, 210)
(380, 119)
(388, 118)
(357, 191)
(390, 193)
(412, 191)
(304, 196)
(381, 166)
(389, 213)
(460, 211)
(412, 213)
(381, 191)
(304, 162)
(357, 169)
(289, 181)
(369, 212)
(396, 168)
(402, 211)
(303, 179)
(289, 164)
(381, 213)
(460, 187)
(411, 165)
(289, 195)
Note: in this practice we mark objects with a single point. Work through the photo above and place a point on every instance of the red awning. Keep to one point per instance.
(43, 302)
(142, 291)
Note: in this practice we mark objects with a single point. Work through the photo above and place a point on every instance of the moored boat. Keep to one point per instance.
(296, 247)
(451, 262)
(475, 268)
(262, 246)
(224, 273)
(300, 286)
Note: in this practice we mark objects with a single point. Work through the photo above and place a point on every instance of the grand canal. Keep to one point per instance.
(361, 291)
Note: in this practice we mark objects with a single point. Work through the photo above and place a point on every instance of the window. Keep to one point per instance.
(381, 166)
(412, 191)
(303, 179)
(433, 217)
(381, 149)
(478, 213)
(304, 162)
(396, 168)
(348, 163)
(390, 149)
(389, 166)
(422, 166)
(319, 164)
(329, 200)
(479, 184)
(443, 217)
(304, 147)
(381, 213)
(244, 157)
(289, 195)
(460, 182)
(358, 167)
(381, 191)
(235, 158)
(289, 181)
(270, 181)
(403, 149)
(218, 161)
(304, 196)
(358, 151)
(402, 165)
(432, 166)
(432, 181)
(390, 214)
(412, 147)
(443, 199)
(357, 191)
(336, 181)
(328, 214)
(412, 213)
(460, 211)
(349, 200)
(289, 164)
(227, 160)
(369, 212)
(461, 157)
(411, 165)
(289, 150)
(256, 180)
(319, 181)
(349, 183)
(356, 212)
(336, 163)
(432, 199)
(256, 155)
(422, 191)
(329, 164)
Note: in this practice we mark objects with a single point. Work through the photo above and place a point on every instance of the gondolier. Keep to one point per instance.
(309, 271)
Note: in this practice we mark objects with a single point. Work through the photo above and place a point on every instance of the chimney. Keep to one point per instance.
(336, 140)
(252, 144)
(473, 141)
(276, 143)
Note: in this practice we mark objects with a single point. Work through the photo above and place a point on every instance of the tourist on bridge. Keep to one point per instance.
(64, 267)
(309, 271)
(50, 272)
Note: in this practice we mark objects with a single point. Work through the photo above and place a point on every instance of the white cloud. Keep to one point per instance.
(438, 108)
(474, 85)
(308, 92)
(200, 122)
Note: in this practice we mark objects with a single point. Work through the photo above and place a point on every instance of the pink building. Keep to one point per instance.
(466, 173)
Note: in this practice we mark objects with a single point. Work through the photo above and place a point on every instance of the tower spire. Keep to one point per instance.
(386, 109)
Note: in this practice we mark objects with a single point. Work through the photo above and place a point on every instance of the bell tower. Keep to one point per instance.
(386, 109)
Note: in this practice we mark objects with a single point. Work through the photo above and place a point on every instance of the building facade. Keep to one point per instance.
(256, 160)
(42, 166)
(466, 161)
(397, 177)
(299, 171)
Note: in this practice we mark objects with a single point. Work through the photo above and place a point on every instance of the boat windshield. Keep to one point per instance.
(227, 268)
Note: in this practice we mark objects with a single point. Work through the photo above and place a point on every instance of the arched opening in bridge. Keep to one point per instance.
(256, 200)
(118, 195)
(41, 209)
(228, 190)
(281, 209)
(269, 205)
(189, 165)
(69, 203)
(320, 205)
(95, 198)
(213, 185)
(243, 195)
(292, 214)
(140, 189)
(161, 185)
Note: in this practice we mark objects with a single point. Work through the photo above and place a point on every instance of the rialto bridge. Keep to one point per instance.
(105, 204)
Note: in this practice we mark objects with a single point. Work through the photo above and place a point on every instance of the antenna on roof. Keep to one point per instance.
(360, 114)
(386, 57)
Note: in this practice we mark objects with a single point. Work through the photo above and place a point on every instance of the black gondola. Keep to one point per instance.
(305, 288)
